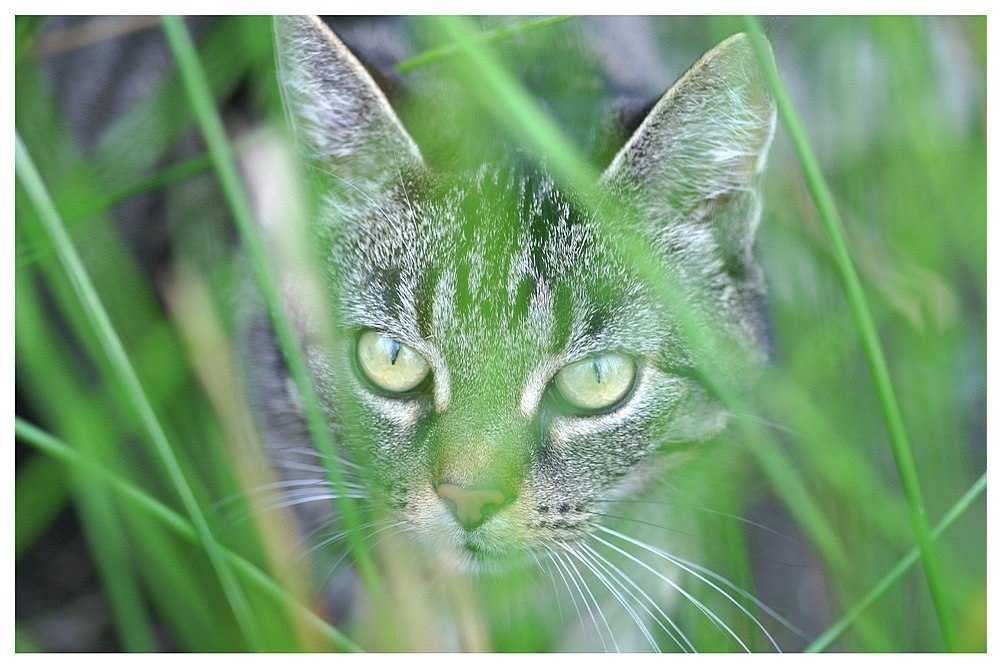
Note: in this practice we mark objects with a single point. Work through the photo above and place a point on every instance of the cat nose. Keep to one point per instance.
(471, 507)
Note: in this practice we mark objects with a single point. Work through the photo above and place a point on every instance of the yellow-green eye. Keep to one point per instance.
(597, 382)
(389, 364)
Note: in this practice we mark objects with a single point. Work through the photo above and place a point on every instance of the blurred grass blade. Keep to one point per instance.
(220, 149)
(790, 488)
(40, 485)
(126, 377)
(23, 643)
(866, 330)
(489, 36)
(831, 634)
(512, 105)
(175, 522)
(81, 211)
(193, 311)
(75, 409)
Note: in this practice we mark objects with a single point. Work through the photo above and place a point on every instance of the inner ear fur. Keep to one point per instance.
(698, 155)
(341, 119)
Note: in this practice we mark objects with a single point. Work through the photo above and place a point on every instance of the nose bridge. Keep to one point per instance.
(480, 444)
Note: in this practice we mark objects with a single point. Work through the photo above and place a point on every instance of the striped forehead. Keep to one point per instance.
(499, 262)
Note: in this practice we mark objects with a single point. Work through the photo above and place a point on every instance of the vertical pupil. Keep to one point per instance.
(597, 370)
(394, 351)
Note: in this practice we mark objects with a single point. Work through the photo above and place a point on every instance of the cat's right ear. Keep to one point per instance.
(341, 119)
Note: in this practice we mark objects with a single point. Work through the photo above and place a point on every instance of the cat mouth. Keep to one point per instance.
(479, 553)
(489, 559)
(480, 561)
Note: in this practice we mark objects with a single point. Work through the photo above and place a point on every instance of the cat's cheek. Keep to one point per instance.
(400, 417)
(698, 417)
(667, 407)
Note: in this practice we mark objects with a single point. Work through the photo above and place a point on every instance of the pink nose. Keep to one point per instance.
(471, 507)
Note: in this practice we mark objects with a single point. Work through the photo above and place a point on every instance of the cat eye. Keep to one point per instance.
(389, 364)
(597, 382)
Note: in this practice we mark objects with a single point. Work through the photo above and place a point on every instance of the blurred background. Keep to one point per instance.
(894, 108)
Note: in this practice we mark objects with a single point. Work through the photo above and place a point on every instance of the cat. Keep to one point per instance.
(499, 373)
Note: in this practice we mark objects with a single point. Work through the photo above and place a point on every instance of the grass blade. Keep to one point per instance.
(221, 153)
(127, 377)
(861, 313)
(450, 50)
(40, 485)
(175, 522)
(831, 634)
(512, 105)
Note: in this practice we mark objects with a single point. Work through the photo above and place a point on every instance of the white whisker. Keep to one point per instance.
(562, 573)
(555, 589)
(314, 453)
(707, 510)
(311, 499)
(364, 538)
(673, 626)
(678, 562)
(672, 559)
(614, 592)
(763, 607)
(597, 605)
(705, 610)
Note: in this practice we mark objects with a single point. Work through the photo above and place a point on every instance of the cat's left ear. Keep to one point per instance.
(337, 112)
(697, 157)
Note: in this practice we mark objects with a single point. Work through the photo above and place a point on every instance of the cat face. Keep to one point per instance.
(500, 367)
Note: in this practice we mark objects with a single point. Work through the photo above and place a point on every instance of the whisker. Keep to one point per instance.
(283, 484)
(764, 422)
(737, 589)
(675, 561)
(311, 499)
(364, 538)
(555, 589)
(705, 610)
(681, 532)
(667, 503)
(745, 593)
(625, 605)
(629, 580)
(306, 467)
(590, 593)
(563, 572)
(646, 523)
(263, 499)
(341, 534)
(307, 451)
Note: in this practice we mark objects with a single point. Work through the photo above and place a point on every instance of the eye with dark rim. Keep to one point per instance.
(596, 385)
(390, 367)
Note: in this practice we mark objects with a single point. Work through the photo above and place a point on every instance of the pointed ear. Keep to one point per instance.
(698, 155)
(340, 117)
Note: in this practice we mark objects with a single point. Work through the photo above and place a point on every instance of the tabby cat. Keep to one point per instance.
(500, 370)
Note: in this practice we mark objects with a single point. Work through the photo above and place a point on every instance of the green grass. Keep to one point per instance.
(868, 427)
(866, 329)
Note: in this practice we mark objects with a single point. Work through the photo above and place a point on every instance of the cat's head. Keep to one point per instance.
(507, 368)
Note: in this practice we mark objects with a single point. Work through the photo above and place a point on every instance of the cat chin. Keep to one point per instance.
(465, 554)
(471, 562)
